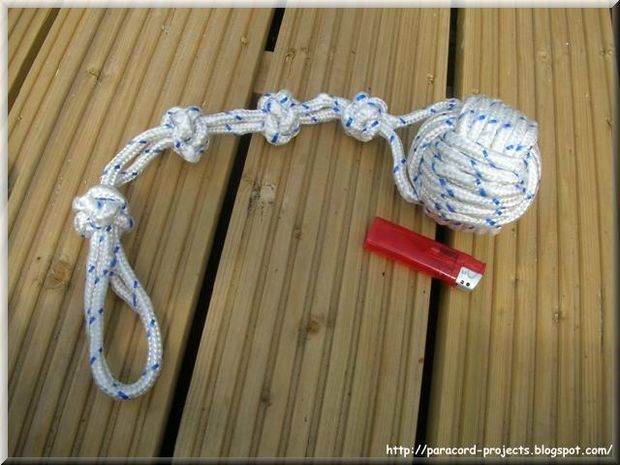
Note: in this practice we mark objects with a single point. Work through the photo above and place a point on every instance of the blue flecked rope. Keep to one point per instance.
(473, 165)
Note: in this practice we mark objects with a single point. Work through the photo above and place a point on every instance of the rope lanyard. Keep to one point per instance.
(473, 165)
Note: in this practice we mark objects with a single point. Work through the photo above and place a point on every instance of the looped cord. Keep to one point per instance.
(102, 215)
(474, 165)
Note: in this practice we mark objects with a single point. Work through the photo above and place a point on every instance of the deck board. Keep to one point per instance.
(101, 77)
(526, 359)
(313, 347)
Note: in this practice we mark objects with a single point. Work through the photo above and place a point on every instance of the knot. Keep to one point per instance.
(476, 165)
(282, 117)
(189, 131)
(362, 117)
(99, 209)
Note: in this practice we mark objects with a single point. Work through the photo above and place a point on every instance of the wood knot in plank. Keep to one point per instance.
(265, 396)
(607, 52)
(58, 274)
(313, 326)
(289, 56)
(543, 56)
(96, 73)
(262, 195)
(306, 329)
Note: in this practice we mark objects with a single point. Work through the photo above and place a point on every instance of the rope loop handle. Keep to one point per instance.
(473, 165)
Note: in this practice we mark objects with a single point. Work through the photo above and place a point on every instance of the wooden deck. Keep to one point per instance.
(282, 336)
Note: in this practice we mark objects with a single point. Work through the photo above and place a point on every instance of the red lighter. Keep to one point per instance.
(424, 254)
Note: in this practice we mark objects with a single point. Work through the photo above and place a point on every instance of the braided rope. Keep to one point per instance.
(473, 165)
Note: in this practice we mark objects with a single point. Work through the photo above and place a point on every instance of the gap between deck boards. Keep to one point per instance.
(30, 55)
(186, 372)
(435, 296)
(193, 341)
(200, 315)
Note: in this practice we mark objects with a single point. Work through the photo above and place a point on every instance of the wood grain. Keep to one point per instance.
(526, 358)
(27, 29)
(312, 346)
(101, 77)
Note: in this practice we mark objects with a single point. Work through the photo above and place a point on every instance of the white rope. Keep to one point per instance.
(473, 165)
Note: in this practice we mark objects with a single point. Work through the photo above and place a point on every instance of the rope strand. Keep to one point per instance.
(473, 165)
